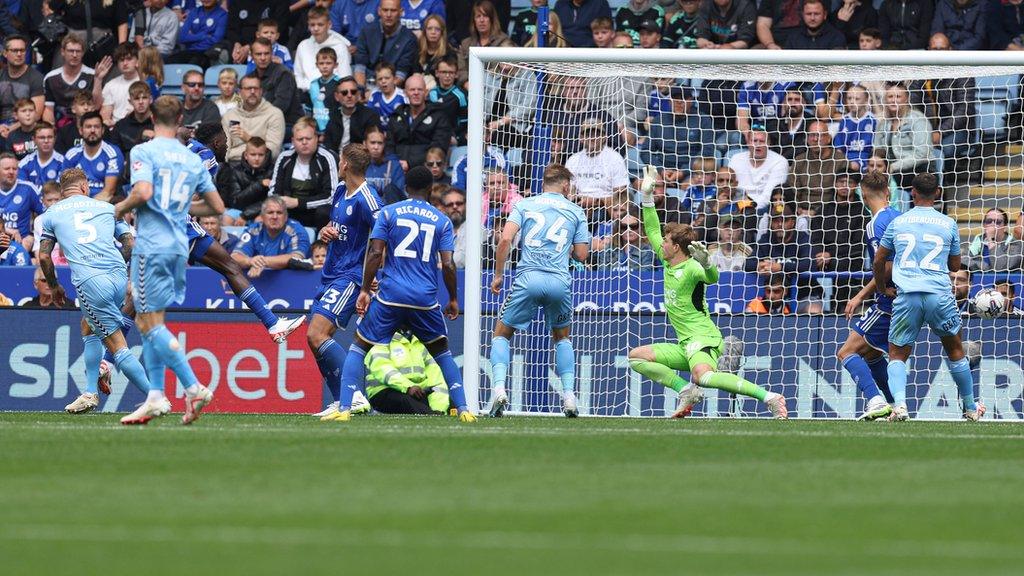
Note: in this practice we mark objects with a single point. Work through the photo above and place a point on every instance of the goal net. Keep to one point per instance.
(762, 153)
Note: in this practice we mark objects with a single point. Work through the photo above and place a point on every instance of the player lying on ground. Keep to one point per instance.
(924, 245)
(85, 229)
(863, 353)
(687, 270)
(417, 237)
(551, 228)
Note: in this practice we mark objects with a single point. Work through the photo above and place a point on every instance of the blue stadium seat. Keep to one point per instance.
(213, 72)
(995, 93)
(173, 75)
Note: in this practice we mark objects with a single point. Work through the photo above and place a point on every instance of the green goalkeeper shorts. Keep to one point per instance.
(689, 353)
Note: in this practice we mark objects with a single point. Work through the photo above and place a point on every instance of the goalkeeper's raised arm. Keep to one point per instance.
(652, 228)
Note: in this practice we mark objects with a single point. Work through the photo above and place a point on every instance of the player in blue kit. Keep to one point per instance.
(353, 213)
(18, 201)
(925, 247)
(419, 239)
(863, 353)
(550, 228)
(165, 176)
(85, 229)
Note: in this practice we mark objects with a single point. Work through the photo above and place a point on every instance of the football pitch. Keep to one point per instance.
(417, 496)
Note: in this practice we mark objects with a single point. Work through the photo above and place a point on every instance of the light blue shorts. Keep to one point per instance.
(101, 298)
(158, 281)
(531, 290)
(912, 310)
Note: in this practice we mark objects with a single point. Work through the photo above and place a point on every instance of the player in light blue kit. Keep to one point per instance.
(925, 247)
(550, 228)
(418, 238)
(352, 217)
(85, 229)
(863, 353)
(165, 176)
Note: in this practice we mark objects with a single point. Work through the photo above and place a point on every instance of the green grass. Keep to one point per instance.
(290, 495)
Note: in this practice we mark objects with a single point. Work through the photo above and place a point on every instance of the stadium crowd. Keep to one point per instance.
(767, 172)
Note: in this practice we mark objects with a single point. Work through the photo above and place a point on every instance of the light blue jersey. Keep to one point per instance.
(549, 226)
(922, 241)
(176, 174)
(85, 229)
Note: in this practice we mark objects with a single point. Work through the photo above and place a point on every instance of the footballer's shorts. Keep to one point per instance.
(531, 290)
(381, 321)
(912, 310)
(689, 353)
(101, 298)
(336, 302)
(158, 280)
(873, 325)
(198, 241)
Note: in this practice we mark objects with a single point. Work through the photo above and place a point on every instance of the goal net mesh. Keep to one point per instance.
(764, 162)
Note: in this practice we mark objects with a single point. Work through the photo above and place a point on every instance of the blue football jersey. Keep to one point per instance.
(875, 232)
(176, 174)
(765, 104)
(856, 138)
(353, 215)
(257, 241)
(15, 255)
(549, 225)
(17, 206)
(384, 106)
(921, 241)
(85, 229)
(107, 162)
(206, 155)
(31, 170)
(415, 234)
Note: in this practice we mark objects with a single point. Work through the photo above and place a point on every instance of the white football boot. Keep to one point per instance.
(195, 404)
(84, 403)
(280, 331)
(876, 408)
(689, 397)
(147, 411)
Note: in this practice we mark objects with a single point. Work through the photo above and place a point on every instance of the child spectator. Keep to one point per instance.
(870, 39)
(451, 97)
(69, 135)
(699, 188)
(18, 139)
(227, 83)
(116, 103)
(437, 161)
(268, 29)
(321, 90)
(50, 195)
(387, 97)
(251, 184)
(602, 31)
(385, 170)
(857, 128)
(318, 253)
(629, 17)
(659, 101)
(136, 127)
(730, 253)
(151, 69)
(308, 53)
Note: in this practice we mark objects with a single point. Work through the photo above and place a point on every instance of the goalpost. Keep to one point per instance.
(553, 101)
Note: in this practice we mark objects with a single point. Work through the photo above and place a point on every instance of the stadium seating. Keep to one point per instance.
(213, 72)
(173, 76)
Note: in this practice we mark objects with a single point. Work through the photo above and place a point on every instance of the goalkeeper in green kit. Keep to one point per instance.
(687, 271)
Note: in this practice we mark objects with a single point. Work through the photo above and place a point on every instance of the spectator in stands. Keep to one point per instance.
(758, 169)
(227, 83)
(776, 20)
(773, 300)
(416, 12)
(1005, 25)
(162, 26)
(60, 84)
(437, 162)
(761, 101)
(434, 49)
(497, 201)
(650, 35)
(387, 41)
(50, 195)
(255, 117)
(12, 253)
(44, 164)
(566, 116)
(196, 109)
(601, 31)
(320, 36)
(18, 80)
(272, 243)
(102, 162)
(784, 249)
(201, 31)
(555, 37)
(1009, 292)
(510, 98)
(524, 23)
(416, 127)
(681, 25)
(385, 171)
(485, 31)
(962, 21)
(622, 40)
(813, 174)
(949, 103)
(44, 294)
(349, 17)
(386, 99)
(151, 69)
(837, 233)
(906, 24)
(270, 30)
(815, 31)
(962, 290)
(576, 16)
(278, 81)
(454, 202)
(21, 202)
(726, 24)
(250, 182)
(448, 96)
(604, 230)
(697, 190)
(351, 119)
(18, 137)
(136, 127)
(598, 171)
(70, 135)
(852, 17)
(629, 249)
(870, 39)
(905, 136)
(116, 100)
(305, 176)
(670, 208)
(320, 98)
(212, 226)
(107, 17)
(679, 136)
(730, 253)
(630, 17)
(995, 249)
(318, 254)
(788, 130)
(459, 16)
(857, 127)
(244, 19)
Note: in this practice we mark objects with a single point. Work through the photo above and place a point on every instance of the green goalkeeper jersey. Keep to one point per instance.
(684, 290)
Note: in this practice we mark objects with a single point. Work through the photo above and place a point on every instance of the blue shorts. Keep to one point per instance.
(382, 321)
(912, 310)
(336, 302)
(158, 280)
(101, 298)
(873, 325)
(531, 290)
(198, 241)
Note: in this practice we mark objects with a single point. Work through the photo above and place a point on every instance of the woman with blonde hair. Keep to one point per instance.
(555, 38)
(484, 30)
(433, 48)
(151, 69)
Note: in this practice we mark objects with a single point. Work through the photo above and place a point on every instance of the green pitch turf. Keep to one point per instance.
(412, 496)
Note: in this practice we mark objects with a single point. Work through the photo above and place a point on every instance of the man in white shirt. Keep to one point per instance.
(320, 36)
(599, 172)
(758, 169)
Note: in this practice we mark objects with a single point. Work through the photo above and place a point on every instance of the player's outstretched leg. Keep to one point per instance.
(850, 355)
(500, 359)
(643, 361)
(330, 358)
(565, 367)
(960, 369)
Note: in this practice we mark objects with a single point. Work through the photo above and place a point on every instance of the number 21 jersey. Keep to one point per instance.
(415, 234)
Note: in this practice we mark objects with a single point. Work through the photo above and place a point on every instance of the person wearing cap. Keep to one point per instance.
(814, 172)
(781, 248)
(650, 35)
(726, 24)
(638, 15)
(837, 233)
(679, 136)
(730, 253)
(758, 169)
(598, 170)
(573, 105)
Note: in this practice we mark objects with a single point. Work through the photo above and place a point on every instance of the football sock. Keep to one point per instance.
(172, 354)
(898, 381)
(452, 377)
(93, 354)
(254, 300)
(732, 383)
(331, 360)
(130, 366)
(565, 364)
(861, 372)
(353, 374)
(154, 365)
(961, 371)
(659, 373)
(126, 327)
(880, 371)
(499, 363)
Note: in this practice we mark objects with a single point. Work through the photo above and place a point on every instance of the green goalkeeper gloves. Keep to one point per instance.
(647, 185)
(699, 252)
